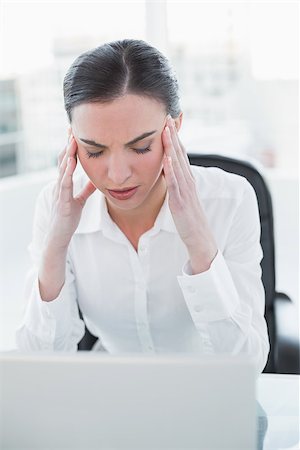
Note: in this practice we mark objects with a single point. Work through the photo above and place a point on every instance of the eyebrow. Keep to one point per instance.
(128, 144)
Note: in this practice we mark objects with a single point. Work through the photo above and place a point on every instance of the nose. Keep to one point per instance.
(118, 170)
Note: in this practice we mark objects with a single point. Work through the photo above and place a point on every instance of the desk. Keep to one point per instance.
(279, 397)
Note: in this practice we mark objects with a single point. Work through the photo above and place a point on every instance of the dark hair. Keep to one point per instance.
(117, 68)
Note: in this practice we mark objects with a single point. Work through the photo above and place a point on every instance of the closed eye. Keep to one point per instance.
(139, 151)
(93, 155)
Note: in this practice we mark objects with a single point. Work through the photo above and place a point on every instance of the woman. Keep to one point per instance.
(159, 255)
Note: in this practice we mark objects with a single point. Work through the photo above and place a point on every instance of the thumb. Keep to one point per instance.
(86, 192)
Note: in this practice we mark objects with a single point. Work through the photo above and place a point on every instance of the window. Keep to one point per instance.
(236, 63)
(238, 67)
(39, 41)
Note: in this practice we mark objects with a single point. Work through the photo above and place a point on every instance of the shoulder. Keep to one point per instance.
(212, 182)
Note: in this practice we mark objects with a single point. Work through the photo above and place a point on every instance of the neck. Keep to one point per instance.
(140, 219)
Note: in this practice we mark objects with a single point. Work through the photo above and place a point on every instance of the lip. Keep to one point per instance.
(123, 194)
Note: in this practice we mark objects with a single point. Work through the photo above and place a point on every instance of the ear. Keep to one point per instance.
(178, 121)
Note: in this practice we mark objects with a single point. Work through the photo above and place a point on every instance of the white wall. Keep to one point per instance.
(17, 199)
(279, 109)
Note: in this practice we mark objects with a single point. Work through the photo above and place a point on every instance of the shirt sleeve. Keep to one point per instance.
(227, 301)
(54, 325)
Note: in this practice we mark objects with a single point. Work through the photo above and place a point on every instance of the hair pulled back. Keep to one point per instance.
(114, 69)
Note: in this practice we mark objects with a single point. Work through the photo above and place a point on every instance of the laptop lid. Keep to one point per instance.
(93, 401)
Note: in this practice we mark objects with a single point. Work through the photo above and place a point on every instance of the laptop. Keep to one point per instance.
(89, 400)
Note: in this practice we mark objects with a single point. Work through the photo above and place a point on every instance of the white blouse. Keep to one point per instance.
(147, 300)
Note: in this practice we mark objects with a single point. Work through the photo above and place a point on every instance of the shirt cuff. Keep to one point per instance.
(210, 295)
(47, 319)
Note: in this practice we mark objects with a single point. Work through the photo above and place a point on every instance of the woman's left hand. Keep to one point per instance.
(184, 203)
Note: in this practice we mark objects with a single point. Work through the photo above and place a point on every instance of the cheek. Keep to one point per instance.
(89, 165)
(85, 163)
(155, 157)
(149, 165)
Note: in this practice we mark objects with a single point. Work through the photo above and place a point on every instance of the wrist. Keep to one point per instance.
(51, 273)
(200, 261)
(54, 247)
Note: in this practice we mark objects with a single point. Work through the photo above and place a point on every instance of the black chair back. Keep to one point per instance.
(252, 174)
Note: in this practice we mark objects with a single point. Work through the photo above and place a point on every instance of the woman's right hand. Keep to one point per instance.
(66, 209)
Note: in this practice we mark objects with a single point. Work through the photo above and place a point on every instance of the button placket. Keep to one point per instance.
(143, 256)
(191, 289)
(143, 247)
(140, 304)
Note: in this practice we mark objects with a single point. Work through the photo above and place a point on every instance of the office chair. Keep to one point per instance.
(280, 312)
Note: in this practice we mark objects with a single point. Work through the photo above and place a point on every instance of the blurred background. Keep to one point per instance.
(237, 66)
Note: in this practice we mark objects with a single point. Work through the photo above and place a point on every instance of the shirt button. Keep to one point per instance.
(198, 308)
(191, 289)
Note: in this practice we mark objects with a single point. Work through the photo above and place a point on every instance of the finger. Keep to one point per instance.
(172, 157)
(67, 151)
(88, 190)
(61, 156)
(70, 152)
(66, 186)
(171, 180)
(180, 151)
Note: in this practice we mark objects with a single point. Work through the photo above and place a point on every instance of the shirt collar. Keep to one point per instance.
(164, 219)
(95, 216)
(91, 217)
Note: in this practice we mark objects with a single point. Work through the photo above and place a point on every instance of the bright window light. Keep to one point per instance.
(274, 40)
(266, 32)
(29, 28)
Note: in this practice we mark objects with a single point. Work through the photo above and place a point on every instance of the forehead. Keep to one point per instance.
(124, 118)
